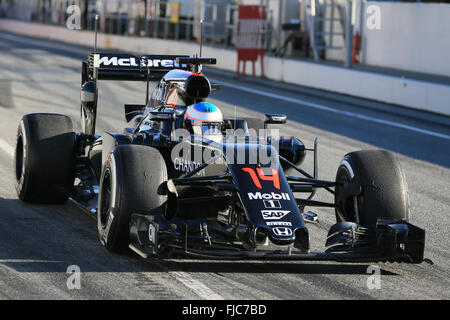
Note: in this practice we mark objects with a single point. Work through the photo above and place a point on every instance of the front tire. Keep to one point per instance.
(132, 181)
(383, 190)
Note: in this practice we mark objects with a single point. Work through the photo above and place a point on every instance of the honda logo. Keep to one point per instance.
(282, 232)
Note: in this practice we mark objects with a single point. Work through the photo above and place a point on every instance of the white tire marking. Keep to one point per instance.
(355, 198)
(349, 167)
(113, 181)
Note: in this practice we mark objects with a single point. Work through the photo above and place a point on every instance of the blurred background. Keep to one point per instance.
(401, 46)
(307, 29)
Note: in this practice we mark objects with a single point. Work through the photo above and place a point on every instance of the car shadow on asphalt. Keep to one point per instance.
(268, 267)
(51, 238)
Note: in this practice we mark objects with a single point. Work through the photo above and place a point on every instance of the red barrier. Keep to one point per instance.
(356, 47)
(251, 29)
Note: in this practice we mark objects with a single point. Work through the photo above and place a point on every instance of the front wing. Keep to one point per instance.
(346, 242)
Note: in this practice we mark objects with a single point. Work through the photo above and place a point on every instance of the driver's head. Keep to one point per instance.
(203, 119)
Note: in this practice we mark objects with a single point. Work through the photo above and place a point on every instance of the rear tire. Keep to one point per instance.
(384, 192)
(44, 158)
(132, 181)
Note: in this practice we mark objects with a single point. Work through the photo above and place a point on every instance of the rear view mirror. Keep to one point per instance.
(162, 116)
(272, 118)
(133, 110)
(88, 95)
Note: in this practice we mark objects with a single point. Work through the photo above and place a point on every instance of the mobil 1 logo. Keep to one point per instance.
(270, 200)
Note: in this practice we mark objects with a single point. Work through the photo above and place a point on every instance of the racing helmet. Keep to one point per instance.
(203, 118)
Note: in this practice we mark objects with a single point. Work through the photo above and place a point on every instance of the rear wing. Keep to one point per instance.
(126, 67)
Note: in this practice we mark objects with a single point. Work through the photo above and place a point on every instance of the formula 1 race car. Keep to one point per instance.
(183, 180)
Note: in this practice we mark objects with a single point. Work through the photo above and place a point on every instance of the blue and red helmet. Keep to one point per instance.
(203, 112)
(203, 118)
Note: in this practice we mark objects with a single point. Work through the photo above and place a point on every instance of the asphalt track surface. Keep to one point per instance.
(39, 242)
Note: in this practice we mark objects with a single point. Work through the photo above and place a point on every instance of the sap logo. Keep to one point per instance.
(268, 196)
(274, 214)
(282, 232)
(279, 223)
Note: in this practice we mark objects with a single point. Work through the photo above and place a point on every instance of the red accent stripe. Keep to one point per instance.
(195, 119)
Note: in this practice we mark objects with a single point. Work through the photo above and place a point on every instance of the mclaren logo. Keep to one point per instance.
(274, 214)
(115, 61)
(105, 61)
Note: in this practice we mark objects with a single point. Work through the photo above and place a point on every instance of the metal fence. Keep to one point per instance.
(179, 20)
(43, 11)
(166, 19)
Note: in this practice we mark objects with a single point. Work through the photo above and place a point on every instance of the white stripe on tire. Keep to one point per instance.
(349, 167)
(113, 180)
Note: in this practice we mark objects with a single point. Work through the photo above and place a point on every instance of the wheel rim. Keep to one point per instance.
(106, 199)
(348, 209)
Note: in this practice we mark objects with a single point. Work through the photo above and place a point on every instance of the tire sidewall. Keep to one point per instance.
(347, 171)
(108, 231)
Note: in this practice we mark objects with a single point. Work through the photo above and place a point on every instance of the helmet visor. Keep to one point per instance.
(207, 129)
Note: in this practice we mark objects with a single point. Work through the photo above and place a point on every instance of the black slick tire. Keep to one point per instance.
(132, 181)
(44, 158)
(383, 189)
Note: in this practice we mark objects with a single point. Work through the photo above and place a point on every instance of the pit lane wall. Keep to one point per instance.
(414, 36)
(411, 93)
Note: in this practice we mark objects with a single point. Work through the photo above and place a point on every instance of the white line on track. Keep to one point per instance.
(6, 148)
(329, 109)
(199, 288)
